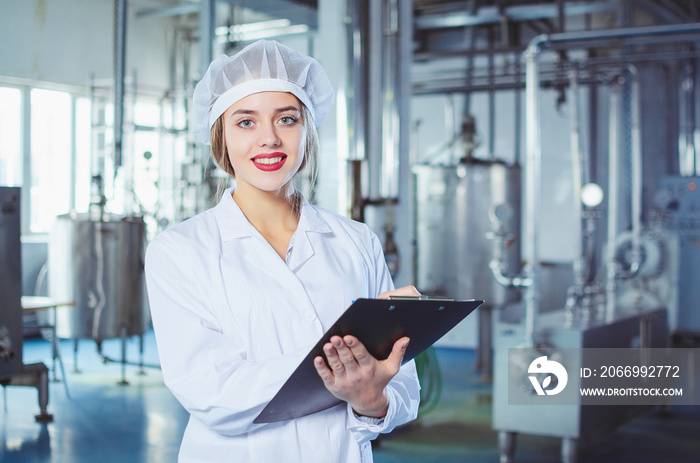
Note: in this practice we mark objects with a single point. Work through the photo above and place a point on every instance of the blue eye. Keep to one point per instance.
(288, 120)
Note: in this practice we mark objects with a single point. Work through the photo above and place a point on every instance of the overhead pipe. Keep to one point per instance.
(515, 80)
(533, 161)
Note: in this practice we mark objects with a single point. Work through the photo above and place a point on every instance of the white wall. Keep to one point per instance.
(64, 41)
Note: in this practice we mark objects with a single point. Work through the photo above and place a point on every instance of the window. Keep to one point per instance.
(51, 138)
(54, 140)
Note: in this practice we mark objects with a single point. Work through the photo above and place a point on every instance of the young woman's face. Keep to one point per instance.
(265, 137)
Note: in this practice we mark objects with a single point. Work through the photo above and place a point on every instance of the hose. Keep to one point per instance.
(430, 379)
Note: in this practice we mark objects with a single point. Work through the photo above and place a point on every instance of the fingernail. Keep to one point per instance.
(405, 345)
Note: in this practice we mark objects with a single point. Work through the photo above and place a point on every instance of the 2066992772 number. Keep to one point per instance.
(636, 371)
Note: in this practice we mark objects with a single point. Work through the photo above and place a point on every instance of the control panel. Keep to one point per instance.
(678, 200)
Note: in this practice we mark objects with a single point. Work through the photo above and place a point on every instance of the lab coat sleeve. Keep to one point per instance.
(207, 372)
(403, 391)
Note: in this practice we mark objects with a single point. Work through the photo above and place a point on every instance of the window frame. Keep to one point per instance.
(25, 87)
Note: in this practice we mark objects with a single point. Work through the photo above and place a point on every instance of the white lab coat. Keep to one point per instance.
(232, 321)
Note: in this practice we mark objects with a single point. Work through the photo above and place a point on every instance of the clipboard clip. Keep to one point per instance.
(420, 298)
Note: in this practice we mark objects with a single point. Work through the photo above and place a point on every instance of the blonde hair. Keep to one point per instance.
(308, 164)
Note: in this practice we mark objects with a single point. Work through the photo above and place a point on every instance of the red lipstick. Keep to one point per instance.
(269, 162)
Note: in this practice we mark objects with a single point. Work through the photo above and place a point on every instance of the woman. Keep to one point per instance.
(240, 293)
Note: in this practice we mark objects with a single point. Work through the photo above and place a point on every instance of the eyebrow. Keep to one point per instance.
(277, 111)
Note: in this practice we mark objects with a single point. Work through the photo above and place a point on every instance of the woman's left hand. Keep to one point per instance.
(356, 377)
(404, 291)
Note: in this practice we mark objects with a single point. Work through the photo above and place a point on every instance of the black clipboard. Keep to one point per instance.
(378, 324)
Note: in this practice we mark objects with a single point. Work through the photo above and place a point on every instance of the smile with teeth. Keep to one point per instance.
(269, 161)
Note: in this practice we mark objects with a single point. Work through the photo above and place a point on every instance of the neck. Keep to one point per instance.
(267, 210)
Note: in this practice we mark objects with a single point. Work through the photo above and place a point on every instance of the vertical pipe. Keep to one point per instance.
(590, 166)
(695, 133)
(25, 198)
(687, 104)
(517, 131)
(579, 262)
(636, 165)
(356, 96)
(470, 40)
(207, 16)
(613, 175)
(404, 233)
(73, 151)
(533, 198)
(374, 106)
(123, 335)
(390, 101)
(196, 197)
(119, 73)
(451, 131)
(492, 96)
(576, 170)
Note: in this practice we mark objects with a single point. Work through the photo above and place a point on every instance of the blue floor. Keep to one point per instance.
(141, 422)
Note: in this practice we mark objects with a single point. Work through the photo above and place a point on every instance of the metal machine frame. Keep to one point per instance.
(12, 371)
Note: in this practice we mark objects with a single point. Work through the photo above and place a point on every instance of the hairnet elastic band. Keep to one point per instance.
(244, 89)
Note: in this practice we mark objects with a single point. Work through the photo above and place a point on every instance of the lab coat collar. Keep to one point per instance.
(233, 224)
(310, 220)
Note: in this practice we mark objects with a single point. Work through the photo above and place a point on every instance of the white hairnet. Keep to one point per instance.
(263, 66)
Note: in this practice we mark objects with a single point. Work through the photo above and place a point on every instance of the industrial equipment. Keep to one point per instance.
(12, 371)
(98, 263)
(574, 424)
(678, 203)
(632, 298)
(455, 245)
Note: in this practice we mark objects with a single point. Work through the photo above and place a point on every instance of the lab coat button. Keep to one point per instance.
(308, 315)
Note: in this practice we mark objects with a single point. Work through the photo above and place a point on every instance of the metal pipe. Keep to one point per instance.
(576, 170)
(613, 167)
(620, 33)
(470, 41)
(496, 267)
(207, 20)
(533, 158)
(390, 102)
(635, 256)
(518, 116)
(687, 147)
(533, 200)
(356, 95)
(375, 101)
(492, 98)
(514, 80)
(636, 187)
(119, 75)
(404, 233)
(580, 270)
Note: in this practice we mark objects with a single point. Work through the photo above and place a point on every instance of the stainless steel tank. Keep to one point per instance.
(459, 208)
(99, 265)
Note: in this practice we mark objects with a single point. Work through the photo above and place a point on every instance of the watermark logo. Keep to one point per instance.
(552, 369)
